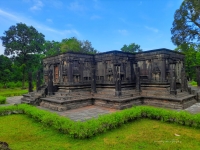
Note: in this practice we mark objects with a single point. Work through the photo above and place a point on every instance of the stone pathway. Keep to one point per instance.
(194, 108)
(88, 112)
(84, 113)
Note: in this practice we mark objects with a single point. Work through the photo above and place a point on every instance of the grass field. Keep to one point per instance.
(13, 92)
(23, 133)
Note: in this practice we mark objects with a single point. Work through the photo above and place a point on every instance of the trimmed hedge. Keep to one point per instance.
(103, 123)
(2, 99)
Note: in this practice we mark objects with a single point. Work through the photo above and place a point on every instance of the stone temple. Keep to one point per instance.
(113, 79)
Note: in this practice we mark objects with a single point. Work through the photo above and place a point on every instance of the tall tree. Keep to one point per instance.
(131, 48)
(51, 48)
(86, 47)
(22, 40)
(70, 45)
(186, 25)
(192, 58)
(75, 45)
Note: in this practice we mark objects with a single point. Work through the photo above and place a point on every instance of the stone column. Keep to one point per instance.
(61, 73)
(163, 70)
(138, 84)
(173, 82)
(93, 82)
(70, 75)
(118, 83)
(184, 84)
(50, 83)
(132, 71)
(30, 85)
(150, 70)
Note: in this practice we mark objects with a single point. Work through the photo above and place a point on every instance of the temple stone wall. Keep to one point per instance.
(75, 69)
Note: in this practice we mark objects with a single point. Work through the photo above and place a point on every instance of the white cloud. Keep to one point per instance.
(37, 5)
(43, 28)
(123, 32)
(76, 6)
(151, 29)
(10, 16)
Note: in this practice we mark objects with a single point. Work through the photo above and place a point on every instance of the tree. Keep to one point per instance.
(186, 25)
(131, 48)
(192, 58)
(70, 45)
(51, 48)
(74, 45)
(86, 47)
(22, 40)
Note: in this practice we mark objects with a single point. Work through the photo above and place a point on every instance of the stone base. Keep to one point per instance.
(119, 103)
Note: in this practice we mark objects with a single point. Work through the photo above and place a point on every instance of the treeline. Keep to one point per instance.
(25, 48)
(186, 34)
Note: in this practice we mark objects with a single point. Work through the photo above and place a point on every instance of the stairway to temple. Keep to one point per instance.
(34, 97)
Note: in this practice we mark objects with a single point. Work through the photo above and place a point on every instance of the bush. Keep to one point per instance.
(2, 100)
(193, 83)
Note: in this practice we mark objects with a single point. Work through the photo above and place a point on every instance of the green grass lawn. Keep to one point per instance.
(13, 92)
(23, 133)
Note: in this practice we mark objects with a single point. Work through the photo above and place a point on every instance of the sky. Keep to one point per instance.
(107, 24)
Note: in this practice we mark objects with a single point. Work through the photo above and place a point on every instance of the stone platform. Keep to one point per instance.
(88, 112)
(129, 98)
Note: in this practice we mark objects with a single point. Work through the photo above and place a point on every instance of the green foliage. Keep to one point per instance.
(192, 58)
(2, 99)
(186, 25)
(51, 48)
(13, 91)
(22, 41)
(74, 45)
(131, 48)
(193, 83)
(5, 67)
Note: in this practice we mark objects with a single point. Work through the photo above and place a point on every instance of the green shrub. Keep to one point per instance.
(193, 83)
(2, 100)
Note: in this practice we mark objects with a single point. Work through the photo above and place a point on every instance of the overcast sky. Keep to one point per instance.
(107, 24)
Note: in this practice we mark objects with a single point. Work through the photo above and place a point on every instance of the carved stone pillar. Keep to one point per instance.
(138, 84)
(163, 70)
(118, 91)
(150, 70)
(50, 83)
(184, 84)
(61, 73)
(132, 71)
(93, 82)
(70, 75)
(173, 82)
